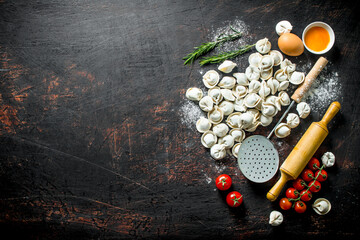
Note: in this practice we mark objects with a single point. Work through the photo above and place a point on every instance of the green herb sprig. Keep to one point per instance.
(207, 47)
(226, 55)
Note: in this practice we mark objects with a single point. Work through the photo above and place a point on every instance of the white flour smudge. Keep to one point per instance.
(326, 89)
(189, 113)
(238, 25)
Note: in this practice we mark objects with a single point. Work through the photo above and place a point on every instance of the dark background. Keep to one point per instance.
(92, 145)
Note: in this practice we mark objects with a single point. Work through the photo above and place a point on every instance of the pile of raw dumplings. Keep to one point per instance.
(243, 101)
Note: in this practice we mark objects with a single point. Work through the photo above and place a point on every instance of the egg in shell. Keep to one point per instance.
(290, 44)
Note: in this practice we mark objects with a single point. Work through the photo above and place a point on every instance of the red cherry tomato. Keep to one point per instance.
(307, 175)
(234, 199)
(314, 164)
(292, 193)
(305, 195)
(315, 186)
(223, 182)
(285, 204)
(321, 176)
(299, 184)
(300, 207)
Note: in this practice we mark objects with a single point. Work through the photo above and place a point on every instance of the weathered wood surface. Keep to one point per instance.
(92, 145)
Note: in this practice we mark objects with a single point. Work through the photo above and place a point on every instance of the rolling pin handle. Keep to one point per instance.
(330, 113)
(274, 192)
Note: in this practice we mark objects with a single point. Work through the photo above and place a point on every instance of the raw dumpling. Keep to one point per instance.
(220, 130)
(252, 100)
(240, 91)
(263, 46)
(268, 109)
(292, 120)
(303, 109)
(211, 78)
(215, 94)
(288, 66)
(227, 82)
(321, 206)
(227, 141)
(252, 73)
(227, 107)
(283, 27)
(282, 130)
(218, 151)
(203, 125)
(328, 159)
(265, 120)
(227, 66)
(216, 115)
(241, 79)
(273, 84)
(276, 218)
(235, 149)
(227, 94)
(239, 105)
(206, 104)
(264, 90)
(208, 139)
(255, 59)
(281, 75)
(284, 98)
(238, 134)
(297, 78)
(194, 94)
(277, 57)
(254, 86)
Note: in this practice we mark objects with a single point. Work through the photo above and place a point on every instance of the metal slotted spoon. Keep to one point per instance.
(257, 158)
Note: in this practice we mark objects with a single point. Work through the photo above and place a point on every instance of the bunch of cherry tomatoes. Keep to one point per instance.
(233, 198)
(303, 188)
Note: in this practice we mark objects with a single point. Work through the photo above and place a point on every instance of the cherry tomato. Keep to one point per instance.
(223, 182)
(300, 207)
(234, 199)
(307, 175)
(314, 164)
(299, 184)
(322, 176)
(306, 195)
(315, 186)
(292, 193)
(285, 204)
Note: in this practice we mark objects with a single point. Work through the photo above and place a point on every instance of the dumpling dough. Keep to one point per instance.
(227, 66)
(283, 27)
(303, 109)
(292, 120)
(328, 159)
(218, 151)
(276, 218)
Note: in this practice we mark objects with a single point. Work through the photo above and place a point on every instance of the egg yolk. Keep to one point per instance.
(317, 39)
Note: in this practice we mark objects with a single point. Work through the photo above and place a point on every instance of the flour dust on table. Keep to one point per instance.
(326, 89)
(236, 24)
(189, 113)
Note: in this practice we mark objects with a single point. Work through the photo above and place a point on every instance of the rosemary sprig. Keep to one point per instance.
(207, 47)
(225, 55)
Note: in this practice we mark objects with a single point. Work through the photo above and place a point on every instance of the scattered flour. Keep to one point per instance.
(238, 25)
(189, 113)
(326, 89)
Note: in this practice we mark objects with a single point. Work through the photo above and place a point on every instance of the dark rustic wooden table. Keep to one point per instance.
(95, 140)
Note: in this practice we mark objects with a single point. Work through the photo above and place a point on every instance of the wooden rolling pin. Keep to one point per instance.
(303, 151)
